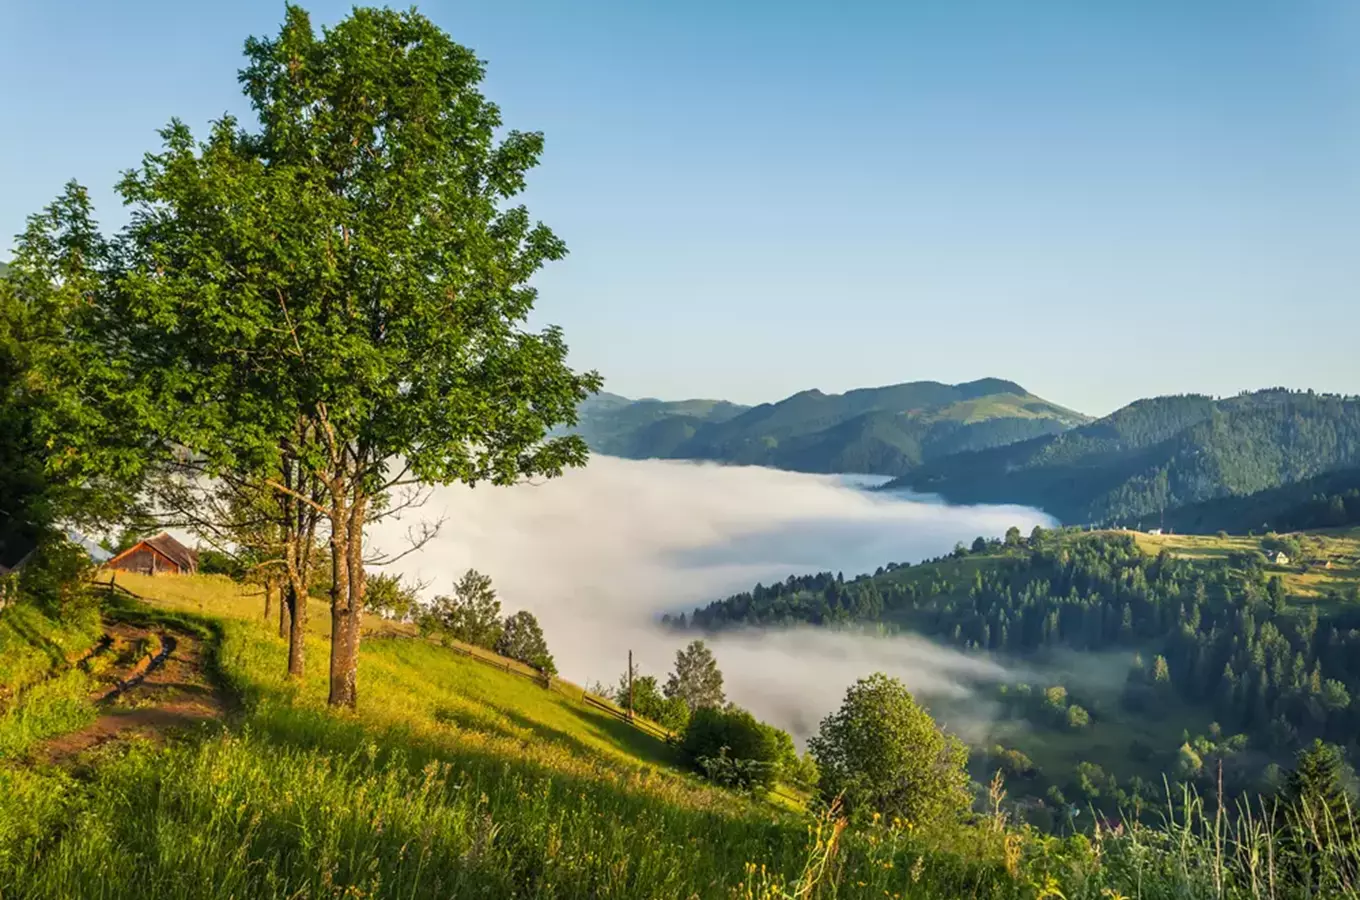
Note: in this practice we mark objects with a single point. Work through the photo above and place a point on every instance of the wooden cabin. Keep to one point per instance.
(157, 555)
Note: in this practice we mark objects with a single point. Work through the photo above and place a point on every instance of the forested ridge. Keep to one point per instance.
(883, 430)
(1224, 636)
(1331, 500)
(1155, 455)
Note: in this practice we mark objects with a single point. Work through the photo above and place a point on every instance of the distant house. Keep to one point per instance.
(1278, 558)
(155, 556)
(1154, 531)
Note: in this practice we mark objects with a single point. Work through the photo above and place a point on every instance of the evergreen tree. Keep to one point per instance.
(1318, 817)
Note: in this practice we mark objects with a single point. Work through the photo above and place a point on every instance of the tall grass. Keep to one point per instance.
(42, 693)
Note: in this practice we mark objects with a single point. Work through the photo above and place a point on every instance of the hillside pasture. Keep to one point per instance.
(1308, 576)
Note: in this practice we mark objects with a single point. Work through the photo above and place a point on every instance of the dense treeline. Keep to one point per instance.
(1155, 455)
(1326, 501)
(1221, 632)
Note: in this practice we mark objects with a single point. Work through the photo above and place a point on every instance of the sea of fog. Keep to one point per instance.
(600, 553)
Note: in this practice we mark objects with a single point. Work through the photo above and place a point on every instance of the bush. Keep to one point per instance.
(216, 562)
(673, 715)
(53, 577)
(732, 747)
(882, 752)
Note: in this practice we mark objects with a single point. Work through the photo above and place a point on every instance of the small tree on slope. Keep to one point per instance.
(882, 752)
(696, 679)
(1318, 810)
(472, 614)
(522, 639)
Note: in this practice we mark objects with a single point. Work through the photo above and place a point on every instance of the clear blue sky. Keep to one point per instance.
(1099, 200)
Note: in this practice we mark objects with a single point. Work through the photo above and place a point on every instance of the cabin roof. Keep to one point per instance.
(167, 547)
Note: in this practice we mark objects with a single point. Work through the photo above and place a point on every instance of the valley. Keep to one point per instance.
(1135, 661)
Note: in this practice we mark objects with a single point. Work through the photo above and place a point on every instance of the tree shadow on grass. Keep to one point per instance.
(625, 737)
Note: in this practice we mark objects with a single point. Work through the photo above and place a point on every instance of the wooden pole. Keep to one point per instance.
(630, 685)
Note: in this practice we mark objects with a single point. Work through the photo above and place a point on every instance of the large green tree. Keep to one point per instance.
(342, 293)
(71, 450)
(882, 752)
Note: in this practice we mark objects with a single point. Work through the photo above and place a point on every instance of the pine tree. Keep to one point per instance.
(1161, 672)
(1318, 813)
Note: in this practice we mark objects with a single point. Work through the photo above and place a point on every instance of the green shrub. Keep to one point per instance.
(882, 752)
(53, 577)
(732, 747)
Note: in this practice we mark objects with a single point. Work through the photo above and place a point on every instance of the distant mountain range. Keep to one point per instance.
(1155, 456)
(882, 431)
(1191, 462)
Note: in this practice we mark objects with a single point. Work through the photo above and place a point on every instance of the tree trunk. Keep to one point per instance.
(283, 613)
(269, 599)
(344, 674)
(297, 631)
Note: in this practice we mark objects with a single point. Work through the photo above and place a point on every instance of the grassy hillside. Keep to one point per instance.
(1156, 455)
(43, 689)
(885, 430)
(453, 779)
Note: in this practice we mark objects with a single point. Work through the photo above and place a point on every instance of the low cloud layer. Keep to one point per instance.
(600, 553)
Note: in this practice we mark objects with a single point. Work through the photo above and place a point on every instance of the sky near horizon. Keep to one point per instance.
(1099, 201)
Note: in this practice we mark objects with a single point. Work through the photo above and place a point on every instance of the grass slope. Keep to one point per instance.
(1330, 560)
(42, 691)
(452, 779)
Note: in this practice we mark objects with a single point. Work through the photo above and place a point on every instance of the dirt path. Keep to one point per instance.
(165, 691)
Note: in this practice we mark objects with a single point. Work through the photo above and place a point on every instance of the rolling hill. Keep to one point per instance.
(1158, 454)
(884, 430)
(637, 429)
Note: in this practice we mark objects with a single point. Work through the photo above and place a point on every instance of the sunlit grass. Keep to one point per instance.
(33, 645)
(452, 779)
(1307, 577)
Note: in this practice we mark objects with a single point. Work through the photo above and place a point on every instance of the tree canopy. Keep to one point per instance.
(335, 300)
(696, 678)
(882, 752)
